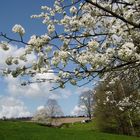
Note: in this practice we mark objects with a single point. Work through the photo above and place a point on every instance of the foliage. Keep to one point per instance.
(117, 107)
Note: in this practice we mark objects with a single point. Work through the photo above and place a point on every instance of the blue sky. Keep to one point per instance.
(18, 12)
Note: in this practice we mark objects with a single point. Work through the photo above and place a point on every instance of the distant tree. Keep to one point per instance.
(86, 102)
(53, 109)
(41, 115)
(48, 114)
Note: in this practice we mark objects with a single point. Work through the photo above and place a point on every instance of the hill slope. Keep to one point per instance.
(29, 131)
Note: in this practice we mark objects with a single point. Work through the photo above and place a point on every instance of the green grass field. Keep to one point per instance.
(29, 131)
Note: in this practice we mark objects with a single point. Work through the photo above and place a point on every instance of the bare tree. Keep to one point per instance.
(53, 109)
(86, 102)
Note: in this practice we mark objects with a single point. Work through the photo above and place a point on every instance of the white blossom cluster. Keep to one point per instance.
(123, 104)
(128, 51)
(83, 39)
(18, 29)
(38, 42)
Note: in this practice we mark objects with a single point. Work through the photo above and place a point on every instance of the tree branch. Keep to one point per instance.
(113, 14)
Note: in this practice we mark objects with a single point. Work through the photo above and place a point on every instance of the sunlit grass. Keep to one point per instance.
(29, 131)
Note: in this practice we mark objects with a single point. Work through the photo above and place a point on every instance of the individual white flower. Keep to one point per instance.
(46, 20)
(52, 13)
(107, 98)
(43, 70)
(45, 38)
(93, 45)
(4, 46)
(28, 50)
(7, 71)
(45, 8)
(58, 7)
(82, 97)
(34, 16)
(65, 20)
(127, 51)
(63, 54)
(15, 61)
(9, 60)
(51, 28)
(121, 109)
(73, 82)
(55, 61)
(32, 39)
(110, 52)
(108, 92)
(73, 10)
(23, 58)
(66, 74)
(112, 82)
(48, 48)
(18, 29)
(85, 99)
(74, 24)
(87, 21)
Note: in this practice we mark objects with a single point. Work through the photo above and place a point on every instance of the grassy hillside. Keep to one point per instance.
(30, 131)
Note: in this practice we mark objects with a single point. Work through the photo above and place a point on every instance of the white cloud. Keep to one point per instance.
(78, 110)
(40, 108)
(15, 88)
(12, 108)
(35, 90)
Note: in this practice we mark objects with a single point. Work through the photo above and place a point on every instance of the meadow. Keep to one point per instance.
(19, 130)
